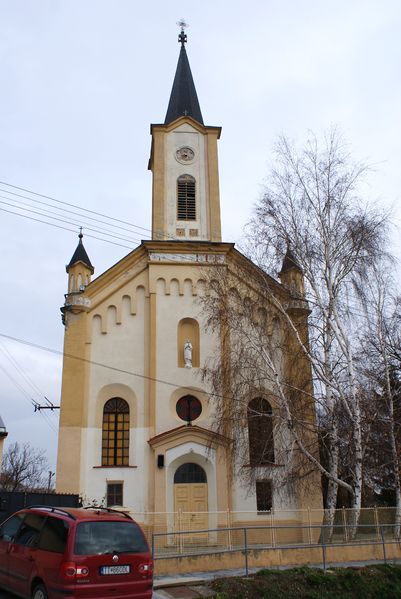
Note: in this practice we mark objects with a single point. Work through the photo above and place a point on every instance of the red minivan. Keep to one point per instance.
(57, 553)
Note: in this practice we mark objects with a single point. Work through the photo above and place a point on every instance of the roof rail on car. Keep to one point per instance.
(51, 508)
(107, 509)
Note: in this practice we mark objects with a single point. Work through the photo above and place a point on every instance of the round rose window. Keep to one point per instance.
(188, 408)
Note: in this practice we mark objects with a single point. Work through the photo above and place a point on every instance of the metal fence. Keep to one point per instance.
(247, 539)
(168, 522)
(11, 501)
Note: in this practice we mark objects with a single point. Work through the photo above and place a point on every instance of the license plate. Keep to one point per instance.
(115, 569)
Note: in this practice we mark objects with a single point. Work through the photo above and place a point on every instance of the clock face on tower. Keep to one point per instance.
(185, 154)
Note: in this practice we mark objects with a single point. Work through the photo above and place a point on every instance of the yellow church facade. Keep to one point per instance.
(136, 419)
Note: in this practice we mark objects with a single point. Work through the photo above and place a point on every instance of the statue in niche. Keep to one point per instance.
(188, 354)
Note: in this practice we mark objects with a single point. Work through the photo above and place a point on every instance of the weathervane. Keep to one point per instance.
(183, 36)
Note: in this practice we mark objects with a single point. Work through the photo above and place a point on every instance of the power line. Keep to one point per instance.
(87, 210)
(28, 380)
(63, 210)
(27, 396)
(38, 220)
(63, 220)
(71, 230)
(87, 361)
(14, 362)
(41, 195)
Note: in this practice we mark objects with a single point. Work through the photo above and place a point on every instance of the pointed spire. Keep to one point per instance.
(80, 255)
(183, 98)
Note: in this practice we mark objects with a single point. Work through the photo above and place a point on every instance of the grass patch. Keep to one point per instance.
(370, 582)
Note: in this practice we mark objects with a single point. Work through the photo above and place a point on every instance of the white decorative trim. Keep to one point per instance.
(199, 258)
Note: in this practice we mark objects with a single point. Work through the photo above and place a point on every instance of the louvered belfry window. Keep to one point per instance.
(186, 200)
(115, 433)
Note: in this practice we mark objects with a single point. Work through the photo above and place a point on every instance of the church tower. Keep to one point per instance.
(183, 161)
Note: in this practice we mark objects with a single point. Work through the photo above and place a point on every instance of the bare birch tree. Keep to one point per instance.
(380, 364)
(311, 202)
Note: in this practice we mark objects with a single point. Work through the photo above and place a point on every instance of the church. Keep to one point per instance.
(136, 419)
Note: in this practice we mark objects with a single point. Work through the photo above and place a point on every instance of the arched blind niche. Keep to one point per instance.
(188, 329)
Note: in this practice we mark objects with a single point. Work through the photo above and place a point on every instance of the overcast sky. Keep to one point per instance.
(80, 83)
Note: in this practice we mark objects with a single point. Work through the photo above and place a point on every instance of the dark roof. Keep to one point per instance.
(183, 98)
(80, 255)
(289, 262)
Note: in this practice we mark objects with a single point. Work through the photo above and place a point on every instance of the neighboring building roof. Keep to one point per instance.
(80, 255)
(3, 431)
(289, 261)
(183, 98)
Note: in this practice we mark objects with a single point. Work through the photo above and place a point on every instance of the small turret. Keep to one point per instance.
(79, 272)
(291, 274)
(79, 269)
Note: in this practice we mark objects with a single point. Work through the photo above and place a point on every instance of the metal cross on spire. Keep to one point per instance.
(182, 36)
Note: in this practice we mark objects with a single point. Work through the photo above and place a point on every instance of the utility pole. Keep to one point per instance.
(51, 474)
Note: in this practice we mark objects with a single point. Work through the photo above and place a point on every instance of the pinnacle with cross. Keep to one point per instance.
(182, 38)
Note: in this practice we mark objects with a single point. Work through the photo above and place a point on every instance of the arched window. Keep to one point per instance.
(260, 432)
(189, 473)
(186, 200)
(115, 433)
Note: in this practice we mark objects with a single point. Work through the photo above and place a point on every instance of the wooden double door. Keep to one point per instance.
(191, 497)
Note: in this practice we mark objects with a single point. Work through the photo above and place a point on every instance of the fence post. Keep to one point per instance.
(376, 514)
(230, 545)
(180, 540)
(345, 524)
(323, 543)
(310, 527)
(384, 544)
(246, 551)
(153, 546)
(273, 529)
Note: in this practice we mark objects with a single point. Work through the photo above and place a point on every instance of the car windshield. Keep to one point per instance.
(94, 538)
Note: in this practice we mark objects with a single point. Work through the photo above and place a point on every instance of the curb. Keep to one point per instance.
(178, 582)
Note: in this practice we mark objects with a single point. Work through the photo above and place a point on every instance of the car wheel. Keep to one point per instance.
(39, 592)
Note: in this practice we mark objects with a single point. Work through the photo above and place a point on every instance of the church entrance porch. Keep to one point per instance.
(190, 481)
